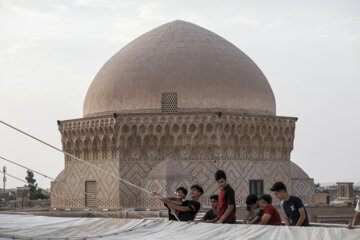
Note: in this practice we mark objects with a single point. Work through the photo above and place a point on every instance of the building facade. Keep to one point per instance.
(183, 93)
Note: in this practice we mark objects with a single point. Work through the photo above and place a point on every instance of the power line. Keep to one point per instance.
(83, 161)
(8, 160)
(18, 178)
(62, 182)
(30, 184)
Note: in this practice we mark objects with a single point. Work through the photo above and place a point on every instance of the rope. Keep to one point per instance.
(8, 160)
(83, 161)
(17, 178)
(62, 182)
(66, 199)
(30, 184)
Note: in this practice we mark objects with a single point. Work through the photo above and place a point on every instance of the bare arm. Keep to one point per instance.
(167, 200)
(177, 207)
(172, 198)
(265, 219)
(206, 217)
(211, 221)
(247, 216)
(254, 220)
(161, 198)
(355, 220)
(202, 220)
(175, 202)
(287, 222)
(302, 217)
(226, 213)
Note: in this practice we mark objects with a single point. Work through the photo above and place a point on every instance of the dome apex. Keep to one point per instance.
(192, 68)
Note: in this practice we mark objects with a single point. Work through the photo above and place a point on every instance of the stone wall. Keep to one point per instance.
(322, 198)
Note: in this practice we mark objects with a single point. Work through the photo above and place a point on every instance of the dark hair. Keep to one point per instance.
(198, 187)
(251, 199)
(267, 198)
(219, 175)
(278, 186)
(182, 189)
(215, 197)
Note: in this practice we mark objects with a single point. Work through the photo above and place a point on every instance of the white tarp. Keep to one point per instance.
(25, 221)
(36, 227)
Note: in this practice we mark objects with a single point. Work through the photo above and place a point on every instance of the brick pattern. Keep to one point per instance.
(129, 146)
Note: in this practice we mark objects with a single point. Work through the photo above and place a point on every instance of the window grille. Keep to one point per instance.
(169, 102)
(256, 187)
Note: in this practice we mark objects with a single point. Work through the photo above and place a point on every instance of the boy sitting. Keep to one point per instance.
(210, 215)
(270, 216)
(252, 210)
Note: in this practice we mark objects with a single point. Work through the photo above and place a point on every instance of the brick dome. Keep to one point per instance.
(297, 172)
(180, 67)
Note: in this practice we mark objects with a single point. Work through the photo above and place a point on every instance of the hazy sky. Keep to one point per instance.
(309, 51)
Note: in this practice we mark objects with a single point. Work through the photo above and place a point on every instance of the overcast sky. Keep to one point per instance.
(309, 51)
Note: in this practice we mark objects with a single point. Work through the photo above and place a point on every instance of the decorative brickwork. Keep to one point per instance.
(246, 147)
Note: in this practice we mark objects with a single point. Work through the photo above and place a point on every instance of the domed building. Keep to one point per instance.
(179, 95)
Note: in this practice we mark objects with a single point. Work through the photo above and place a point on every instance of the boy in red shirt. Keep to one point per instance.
(270, 215)
(226, 210)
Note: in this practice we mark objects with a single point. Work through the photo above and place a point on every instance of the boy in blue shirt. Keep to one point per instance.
(293, 207)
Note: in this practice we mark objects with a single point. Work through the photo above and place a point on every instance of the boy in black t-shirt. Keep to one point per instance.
(210, 215)
(226, 211)
(253, 210)
(189, 208)
(179, 198)
(292, 206)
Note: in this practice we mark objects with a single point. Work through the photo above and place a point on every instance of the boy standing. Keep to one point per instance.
(179, 198)
(189, 208)
(226, 212)
(293, 207)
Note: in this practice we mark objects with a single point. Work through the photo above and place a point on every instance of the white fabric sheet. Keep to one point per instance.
(156, 229)
(30, 221)
(163, 229)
